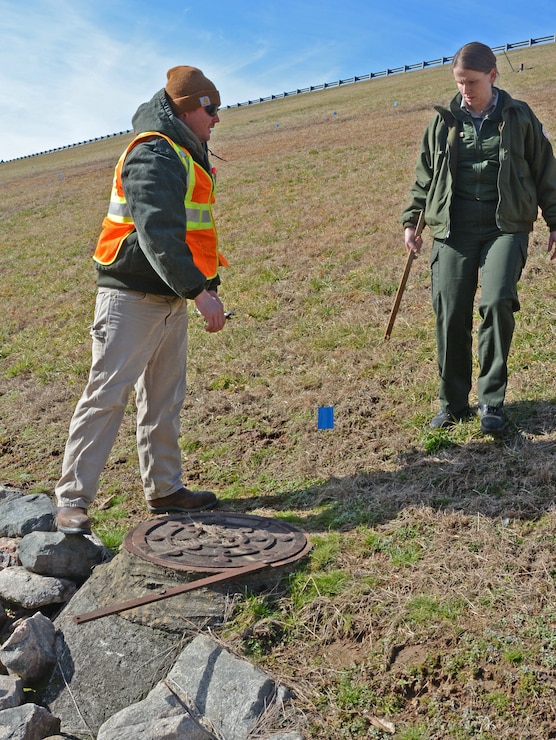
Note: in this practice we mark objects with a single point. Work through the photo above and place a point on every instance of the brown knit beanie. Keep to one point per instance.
(188, 88)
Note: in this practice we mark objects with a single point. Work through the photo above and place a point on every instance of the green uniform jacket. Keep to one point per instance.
(526, 178)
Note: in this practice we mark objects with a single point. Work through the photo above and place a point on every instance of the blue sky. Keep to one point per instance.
(71, 70)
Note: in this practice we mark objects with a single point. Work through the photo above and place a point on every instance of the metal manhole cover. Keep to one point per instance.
(212, 542)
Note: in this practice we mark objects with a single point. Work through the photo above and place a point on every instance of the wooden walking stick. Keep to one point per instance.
(401, 287)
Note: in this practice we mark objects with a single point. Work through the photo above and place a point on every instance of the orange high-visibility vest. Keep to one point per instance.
(201, 234)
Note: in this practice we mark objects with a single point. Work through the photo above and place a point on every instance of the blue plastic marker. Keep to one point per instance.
(326, 417)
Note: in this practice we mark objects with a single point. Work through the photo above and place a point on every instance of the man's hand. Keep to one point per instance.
(412, 243)
(210, 307)
(552, 245)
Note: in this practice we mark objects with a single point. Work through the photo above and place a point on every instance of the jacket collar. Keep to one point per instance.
(157, 115)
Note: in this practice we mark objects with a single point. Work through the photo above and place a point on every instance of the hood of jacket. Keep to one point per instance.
(157, 115)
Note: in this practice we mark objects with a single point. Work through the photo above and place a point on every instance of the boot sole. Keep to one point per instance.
(494, 432)
(73, 530)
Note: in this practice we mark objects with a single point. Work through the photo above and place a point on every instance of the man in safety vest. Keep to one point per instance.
(157, 249)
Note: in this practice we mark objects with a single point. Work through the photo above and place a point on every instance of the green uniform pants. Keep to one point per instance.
(475, 247)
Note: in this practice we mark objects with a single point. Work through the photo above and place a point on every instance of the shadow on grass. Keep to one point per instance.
(512, 477)
(532, 417)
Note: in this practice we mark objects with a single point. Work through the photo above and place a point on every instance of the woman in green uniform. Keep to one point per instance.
(484, 168)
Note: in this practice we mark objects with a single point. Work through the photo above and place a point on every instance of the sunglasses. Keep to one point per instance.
(212, 110)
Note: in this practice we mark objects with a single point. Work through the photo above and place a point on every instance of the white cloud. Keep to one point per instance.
(64, 79)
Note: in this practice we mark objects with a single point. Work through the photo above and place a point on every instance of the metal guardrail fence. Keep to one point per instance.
(325, 85)
(387, 72)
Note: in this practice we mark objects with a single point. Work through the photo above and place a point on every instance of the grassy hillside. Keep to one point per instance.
(427, 607)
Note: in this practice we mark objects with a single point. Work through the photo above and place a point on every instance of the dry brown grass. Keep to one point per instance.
(428, 600)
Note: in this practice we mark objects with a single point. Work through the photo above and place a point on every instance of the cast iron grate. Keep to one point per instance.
(215, 541)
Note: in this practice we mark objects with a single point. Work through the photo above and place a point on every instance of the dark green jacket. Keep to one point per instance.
(526, 178)
(155, 257)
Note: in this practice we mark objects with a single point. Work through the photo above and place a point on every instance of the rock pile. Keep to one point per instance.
(152, 673)
(40, 570)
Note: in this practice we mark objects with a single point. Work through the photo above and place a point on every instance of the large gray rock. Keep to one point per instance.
(29, 651)
(31, 591)
(161, 716)
(228, 691)
(55, 554)
(27, 722)
(11, 692)
(128, 576)
(21, 513)
(103, 665)
(209, 693)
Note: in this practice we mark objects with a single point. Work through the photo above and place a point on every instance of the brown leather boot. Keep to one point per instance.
(73, 520)
(184, 501)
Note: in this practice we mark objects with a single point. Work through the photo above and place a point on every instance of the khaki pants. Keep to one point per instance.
(139, 340)
(475, 248)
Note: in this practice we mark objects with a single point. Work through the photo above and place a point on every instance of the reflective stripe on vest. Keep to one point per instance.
(200, 229)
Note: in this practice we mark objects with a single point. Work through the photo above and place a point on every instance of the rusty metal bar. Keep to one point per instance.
(228, 575)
